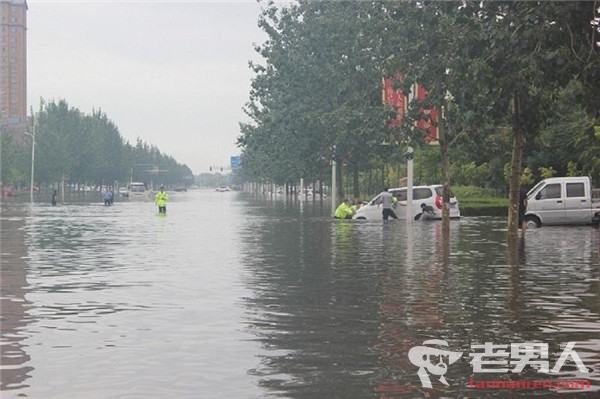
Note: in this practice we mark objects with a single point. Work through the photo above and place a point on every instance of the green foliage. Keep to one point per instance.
(15, 159)
(572, 169)
(506, 171)
(471, 174)
(469, 193)
(547, 173)
(318, 95)
(87, 148)
(527, 177)
(477, 201)
(567, 130)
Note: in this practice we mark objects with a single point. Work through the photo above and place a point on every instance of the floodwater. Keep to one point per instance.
(230, 296)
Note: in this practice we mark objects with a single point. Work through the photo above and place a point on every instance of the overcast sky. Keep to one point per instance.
(173, 73)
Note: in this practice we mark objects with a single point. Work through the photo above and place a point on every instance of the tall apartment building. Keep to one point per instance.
(13, 64)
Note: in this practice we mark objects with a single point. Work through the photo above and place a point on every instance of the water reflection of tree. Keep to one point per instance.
(14, 359)
(312, 308)
(337, 311)
(516, 258)
(412, 308)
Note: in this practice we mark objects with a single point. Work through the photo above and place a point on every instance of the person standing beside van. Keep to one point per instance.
(161, 199)
(387, 200)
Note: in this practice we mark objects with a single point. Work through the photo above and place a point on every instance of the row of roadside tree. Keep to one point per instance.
(516, 84)
(86, 149)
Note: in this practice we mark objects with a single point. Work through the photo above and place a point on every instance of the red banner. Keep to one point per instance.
(431, 114)
(399, 101)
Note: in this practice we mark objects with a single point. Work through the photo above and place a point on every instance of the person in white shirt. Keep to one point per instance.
(387, 200)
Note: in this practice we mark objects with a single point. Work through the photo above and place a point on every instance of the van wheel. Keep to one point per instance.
(532, 222)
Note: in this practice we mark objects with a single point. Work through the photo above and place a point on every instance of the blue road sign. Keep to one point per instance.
(236, 162)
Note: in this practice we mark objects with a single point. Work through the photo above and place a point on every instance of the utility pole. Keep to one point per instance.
(32, 155)
(333, 186)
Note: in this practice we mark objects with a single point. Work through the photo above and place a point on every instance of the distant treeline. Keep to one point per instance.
(86, 149)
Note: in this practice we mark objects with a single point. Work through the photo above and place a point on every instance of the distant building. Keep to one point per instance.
(13, 64)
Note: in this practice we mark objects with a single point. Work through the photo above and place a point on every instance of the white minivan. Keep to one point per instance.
(562, 200)
(429, 195)
(137, 190)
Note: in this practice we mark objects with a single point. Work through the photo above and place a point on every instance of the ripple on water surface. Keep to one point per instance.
(230, 296)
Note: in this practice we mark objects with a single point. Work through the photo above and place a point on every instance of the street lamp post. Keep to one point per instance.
(32, 160)
(409, 184)
(333, 185)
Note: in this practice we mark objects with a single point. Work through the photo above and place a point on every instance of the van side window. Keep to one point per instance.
(550, 191)
(575, 190)
(421, 193)
(400, 195)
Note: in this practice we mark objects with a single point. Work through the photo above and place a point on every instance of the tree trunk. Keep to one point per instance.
(320, 189)
(515, 170)
(445, 155)
(340, 177)
(355, 182)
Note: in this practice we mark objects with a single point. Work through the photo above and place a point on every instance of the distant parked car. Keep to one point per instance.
(428, 195)
(123, 191)
(222, 189)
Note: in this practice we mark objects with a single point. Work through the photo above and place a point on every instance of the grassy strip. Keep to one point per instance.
(474, 210)
(476, 201)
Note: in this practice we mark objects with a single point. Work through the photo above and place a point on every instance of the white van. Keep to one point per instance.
(562, 200)
(137, 190)
(429, 195)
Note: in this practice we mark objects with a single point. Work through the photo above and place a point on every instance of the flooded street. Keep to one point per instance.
(236, 297)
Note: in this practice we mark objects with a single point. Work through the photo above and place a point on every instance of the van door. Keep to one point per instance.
(372, 210)
(422, 195)
(550, 204)
(400, 206)
(577, 204)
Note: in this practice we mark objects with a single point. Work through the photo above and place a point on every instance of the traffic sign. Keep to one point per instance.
(236, 162)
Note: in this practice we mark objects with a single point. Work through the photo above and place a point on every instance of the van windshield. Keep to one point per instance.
(137, 189)
(534, 189)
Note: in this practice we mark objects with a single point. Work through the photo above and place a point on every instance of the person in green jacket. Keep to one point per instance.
(344, 211)
(161, 199)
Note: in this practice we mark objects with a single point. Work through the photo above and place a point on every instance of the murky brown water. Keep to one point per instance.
(230, 296)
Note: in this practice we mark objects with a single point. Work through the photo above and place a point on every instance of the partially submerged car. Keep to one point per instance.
(428, 195)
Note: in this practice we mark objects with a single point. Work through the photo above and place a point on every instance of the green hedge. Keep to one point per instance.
(473, 210)
(477, 201)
